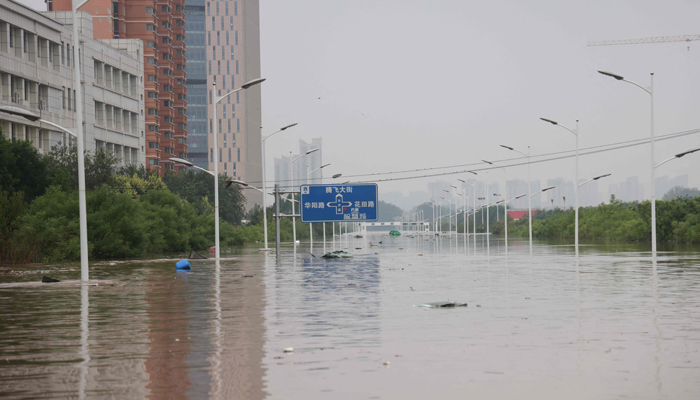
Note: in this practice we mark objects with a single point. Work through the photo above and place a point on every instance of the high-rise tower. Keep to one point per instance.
(161, 27)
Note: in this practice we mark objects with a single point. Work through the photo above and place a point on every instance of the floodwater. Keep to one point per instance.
(611, 325)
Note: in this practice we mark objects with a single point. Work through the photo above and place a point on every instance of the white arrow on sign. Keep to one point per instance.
(339, 204)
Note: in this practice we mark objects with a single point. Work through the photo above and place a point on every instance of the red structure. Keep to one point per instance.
(516, 215)
(161, 27)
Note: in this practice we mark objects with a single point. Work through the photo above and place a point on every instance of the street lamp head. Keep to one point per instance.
(446, 191)
(311, 151)
(462, 180)
(548, 188)
(507, 147)
(487, 162)
(181, 161)
(603, 176)
(472, 172)
(252, 83)
(337, 176)
(550, 121)
(21, 112)
(289, 126)
(517, 197)
(324, 165)
(616, 76)
(237, 182)
(679, 155)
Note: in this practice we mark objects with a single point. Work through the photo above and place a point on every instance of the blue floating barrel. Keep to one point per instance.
(183, 264)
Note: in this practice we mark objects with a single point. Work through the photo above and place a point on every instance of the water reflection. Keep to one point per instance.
(608, 324)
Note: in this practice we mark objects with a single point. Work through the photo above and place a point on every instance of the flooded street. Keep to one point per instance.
(612, 325)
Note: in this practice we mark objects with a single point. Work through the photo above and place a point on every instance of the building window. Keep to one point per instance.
(153, 145)
(237, 68)
(235, 8)
(229, 154)
(150, 43)
(217, 8)
(219, 68)
(209, 38)
(149, 27)
(149, 10)
(234, 169)
(220, 155)
(238, 125)
(211, 155)
(153, 128)
(152, 95)
(208, 9)
(218, 37)
(152, 111)
(239, 154)
(210, 74)
(226, 36)
(153, 161)
(236, 38)
(226, 8)
(233, 140)
(229, 126)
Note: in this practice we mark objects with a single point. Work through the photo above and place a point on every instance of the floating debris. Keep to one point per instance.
(337, 254)
(46, 279)
(196, 256)
(394, 232)
(443, 304)
(289, 350)
(358, 236)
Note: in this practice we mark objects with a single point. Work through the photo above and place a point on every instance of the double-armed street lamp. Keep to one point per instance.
(262, 147)
(215, 173)
(291, 170)
(650, 91)
(311, 233)
(529, 189)
(576, 195)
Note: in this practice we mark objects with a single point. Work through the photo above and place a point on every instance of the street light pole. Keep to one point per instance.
(529, 190)
(505, 204)
(650, 91)
(262, 147)
(217, 99)
(576, 195)
(311, 232)
(473, 185)
(294, 219)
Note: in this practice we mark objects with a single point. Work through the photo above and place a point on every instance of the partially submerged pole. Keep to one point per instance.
(277, 219)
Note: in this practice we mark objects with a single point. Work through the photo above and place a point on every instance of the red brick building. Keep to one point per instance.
(161, 27)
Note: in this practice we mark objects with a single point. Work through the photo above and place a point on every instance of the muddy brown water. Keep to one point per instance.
(610, 325)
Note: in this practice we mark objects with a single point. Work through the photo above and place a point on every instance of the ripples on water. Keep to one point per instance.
(610, 326)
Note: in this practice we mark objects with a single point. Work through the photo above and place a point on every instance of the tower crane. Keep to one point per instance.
(656, 39)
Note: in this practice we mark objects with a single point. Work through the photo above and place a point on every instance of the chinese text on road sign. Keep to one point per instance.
(335, 203)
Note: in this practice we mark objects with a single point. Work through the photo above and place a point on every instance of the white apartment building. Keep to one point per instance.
(36, 74)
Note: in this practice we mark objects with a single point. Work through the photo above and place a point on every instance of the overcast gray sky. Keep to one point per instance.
(403, 84)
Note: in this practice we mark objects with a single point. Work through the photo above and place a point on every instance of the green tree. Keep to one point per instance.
(198, 189)
(22, 168)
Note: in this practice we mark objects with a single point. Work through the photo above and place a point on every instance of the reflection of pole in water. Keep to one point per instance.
(84, 336)
(216, 362)
(657, 337)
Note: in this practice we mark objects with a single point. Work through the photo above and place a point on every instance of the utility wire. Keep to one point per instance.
(560, 155)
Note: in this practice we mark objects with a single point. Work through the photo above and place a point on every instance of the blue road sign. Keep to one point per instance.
(339, 203)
